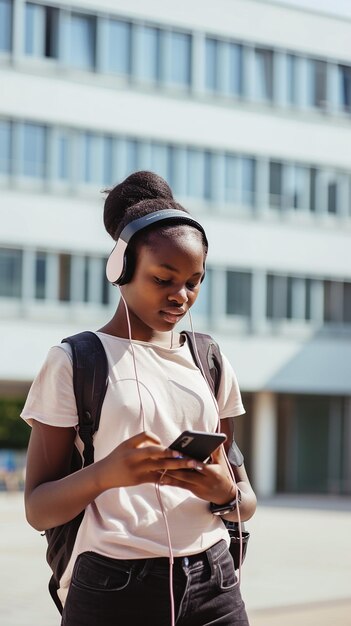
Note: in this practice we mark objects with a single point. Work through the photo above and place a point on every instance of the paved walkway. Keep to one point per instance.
(301, 578)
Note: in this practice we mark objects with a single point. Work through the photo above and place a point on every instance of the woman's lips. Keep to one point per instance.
(172, 315)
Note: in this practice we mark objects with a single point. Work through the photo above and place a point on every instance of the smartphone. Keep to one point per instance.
(197, 444)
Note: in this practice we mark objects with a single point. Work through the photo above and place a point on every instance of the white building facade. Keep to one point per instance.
(244, 106)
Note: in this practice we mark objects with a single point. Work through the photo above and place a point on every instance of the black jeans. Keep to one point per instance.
(112, 592)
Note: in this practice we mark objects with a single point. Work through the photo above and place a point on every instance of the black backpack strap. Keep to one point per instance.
(90, 377)
(209, 355)
(212, 363)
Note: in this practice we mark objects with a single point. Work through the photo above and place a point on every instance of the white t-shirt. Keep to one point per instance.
(127, 522)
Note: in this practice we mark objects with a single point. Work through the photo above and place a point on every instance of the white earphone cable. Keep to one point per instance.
(157, 484)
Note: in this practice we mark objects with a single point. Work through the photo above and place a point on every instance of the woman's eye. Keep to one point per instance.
(161, 281)
(192, 286)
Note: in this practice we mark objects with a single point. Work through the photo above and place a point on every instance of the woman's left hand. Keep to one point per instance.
(211, 481)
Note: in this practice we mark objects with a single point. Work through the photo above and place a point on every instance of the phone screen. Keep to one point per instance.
(197, 444)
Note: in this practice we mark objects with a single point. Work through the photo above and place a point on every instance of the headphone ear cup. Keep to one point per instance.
(128, 267)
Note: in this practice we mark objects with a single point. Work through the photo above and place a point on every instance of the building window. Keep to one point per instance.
(275, 185)
(148, 61)
(65, 277)
(62, 152)
(313, 188)
(264, 73)
(118, 47)
(160, 160)
(318, 83)
(5, 147)
(227, 75)
(277, 297)
(34, 150)
(202, 303)
(345, 87)
(10, 273)
(82, 41)
(235, 69)
(308, 299)
(41, 31)
(347, 303)
(332, 197)
(333, 302)
(88, 152)
(291, 82)
(40, 275)
(180, 59)
(196, 173)
(108, 174)
(296, 187)
(247, 182)
(5, 25)
(231, 179)
(238, 293)
(105, 291)
(211, 61)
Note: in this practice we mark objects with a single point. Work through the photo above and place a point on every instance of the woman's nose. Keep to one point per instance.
(180, 296)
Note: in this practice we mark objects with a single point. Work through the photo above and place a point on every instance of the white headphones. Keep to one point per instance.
(116, 268)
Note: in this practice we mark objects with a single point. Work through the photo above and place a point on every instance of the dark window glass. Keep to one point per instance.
(239, 293)
(10, 273)
(40, 275)
(319, 83)
(289, 298)
(64, 277)
(264, 74)
(86, 280)
(248, 185)
(277, 297)
(332, 196)
(275, 184)
(41, 31)
(333, 301)
(105, 284)
(313, 188)
(347, 303)
(308, 284)
(345, 87)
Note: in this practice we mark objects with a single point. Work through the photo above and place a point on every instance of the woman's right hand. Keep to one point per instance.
(53, 496)
(140, 459)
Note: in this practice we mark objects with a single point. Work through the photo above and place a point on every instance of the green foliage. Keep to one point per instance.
(14, 432)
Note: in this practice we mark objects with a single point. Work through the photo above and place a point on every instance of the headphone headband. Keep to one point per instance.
(116, 264)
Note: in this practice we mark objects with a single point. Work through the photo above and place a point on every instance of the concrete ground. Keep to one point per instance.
(297, 571)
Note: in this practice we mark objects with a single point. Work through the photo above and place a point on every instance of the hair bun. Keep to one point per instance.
(134, 189)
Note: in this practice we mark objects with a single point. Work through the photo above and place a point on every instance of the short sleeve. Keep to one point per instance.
(229, 396)
(51, 398)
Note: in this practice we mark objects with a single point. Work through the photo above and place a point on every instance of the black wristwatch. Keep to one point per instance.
(224, 509)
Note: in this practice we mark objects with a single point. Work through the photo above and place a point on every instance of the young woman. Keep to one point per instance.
(144, 504)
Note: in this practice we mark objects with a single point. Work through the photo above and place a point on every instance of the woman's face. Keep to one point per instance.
(165, 283)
